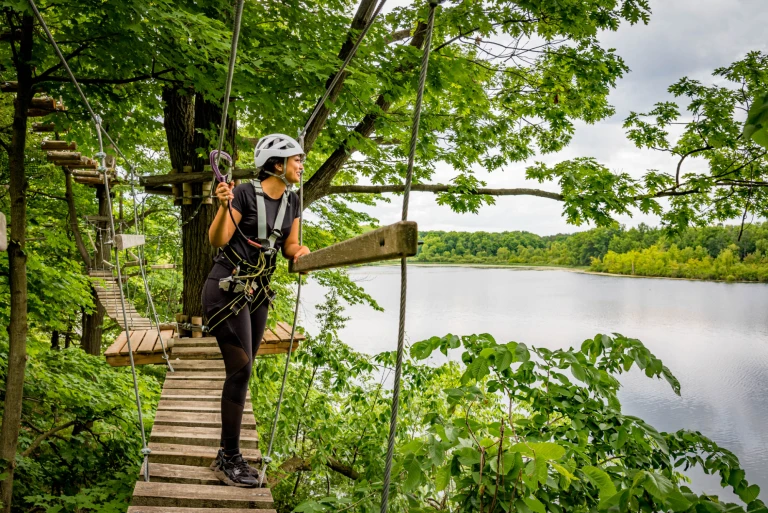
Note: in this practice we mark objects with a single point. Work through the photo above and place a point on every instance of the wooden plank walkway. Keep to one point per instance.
(105, 285)
(147, 349)
(184, 442)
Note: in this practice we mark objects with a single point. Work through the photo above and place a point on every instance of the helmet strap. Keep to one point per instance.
(281, 176)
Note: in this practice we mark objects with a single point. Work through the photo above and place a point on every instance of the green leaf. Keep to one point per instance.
(414, 475)
(544, 450)
(535, 504)
(442, 478)
(601, 480)
(749, 493)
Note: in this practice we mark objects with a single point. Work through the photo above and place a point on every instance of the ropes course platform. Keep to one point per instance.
(108, 293)
(184, 442)
(147, 349)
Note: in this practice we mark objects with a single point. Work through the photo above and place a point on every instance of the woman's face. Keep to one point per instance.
(295, 168)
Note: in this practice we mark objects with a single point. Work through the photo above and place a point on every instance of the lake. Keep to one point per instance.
(713, 336)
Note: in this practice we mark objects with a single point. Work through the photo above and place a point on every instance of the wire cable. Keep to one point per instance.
(404, 261)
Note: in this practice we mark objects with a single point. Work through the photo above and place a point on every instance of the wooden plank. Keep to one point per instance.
(287, 327)
(58, 145)
(196, 342)
(213, 420)
(192, 454)
(148, 343)
(394, 241)
(195, 406)
(196, 352)
(117, 346)
(270, 337)
(199, 496)
(194, 384)
(125, 241)
(282, 332)
(167, 337)
(195, 394)
(203, 436)
(198, 365)
(165, 509)
(270, 350)
(193, 375)
(3, 233)
(138, 359)
(167, 473)
(63, 155)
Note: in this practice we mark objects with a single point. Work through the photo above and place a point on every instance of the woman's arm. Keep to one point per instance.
(292, 248)
(222, 228)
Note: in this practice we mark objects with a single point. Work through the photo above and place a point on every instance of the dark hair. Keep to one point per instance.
(269, 166)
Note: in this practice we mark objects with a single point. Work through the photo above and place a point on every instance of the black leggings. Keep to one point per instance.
(239, 337)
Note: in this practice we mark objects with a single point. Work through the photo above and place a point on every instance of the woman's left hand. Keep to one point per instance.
(303, 250)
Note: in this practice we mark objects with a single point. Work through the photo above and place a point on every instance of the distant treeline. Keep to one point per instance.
(709, 253)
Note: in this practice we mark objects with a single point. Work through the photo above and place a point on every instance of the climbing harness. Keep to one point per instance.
(404, 261)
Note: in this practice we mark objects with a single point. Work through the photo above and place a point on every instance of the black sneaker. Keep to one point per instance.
(251, 470)
(234, 471)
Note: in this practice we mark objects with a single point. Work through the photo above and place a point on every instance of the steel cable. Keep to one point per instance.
(404, 261)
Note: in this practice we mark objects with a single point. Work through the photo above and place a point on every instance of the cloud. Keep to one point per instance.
(684, 38)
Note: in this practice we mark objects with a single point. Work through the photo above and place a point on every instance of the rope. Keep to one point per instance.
(228, 88)
(103, 168)
(404, 261)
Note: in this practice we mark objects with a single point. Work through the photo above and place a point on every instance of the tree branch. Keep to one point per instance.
(45, 435)
(108, 81)
(42, 76)
(297, 464)
(398, 35)
(438, 188)
(679, 164)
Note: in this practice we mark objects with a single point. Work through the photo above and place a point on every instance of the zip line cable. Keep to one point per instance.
(103, 169)
(404, 261)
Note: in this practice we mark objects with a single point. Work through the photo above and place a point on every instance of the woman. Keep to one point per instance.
(236, 295)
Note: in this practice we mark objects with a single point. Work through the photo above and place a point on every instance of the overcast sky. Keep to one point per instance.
(684, 38)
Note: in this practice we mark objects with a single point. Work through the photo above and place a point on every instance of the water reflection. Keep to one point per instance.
(713, 336)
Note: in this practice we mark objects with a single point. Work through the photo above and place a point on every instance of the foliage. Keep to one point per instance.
(714, 252)
(530, 429)
(92, 462)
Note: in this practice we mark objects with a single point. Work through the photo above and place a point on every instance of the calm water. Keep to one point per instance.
(713, 336)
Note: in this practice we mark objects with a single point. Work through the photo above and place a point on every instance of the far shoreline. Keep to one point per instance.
(550, 267)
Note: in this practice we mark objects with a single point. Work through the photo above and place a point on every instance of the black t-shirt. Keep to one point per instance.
(245, 203)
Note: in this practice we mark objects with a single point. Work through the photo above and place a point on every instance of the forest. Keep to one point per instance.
(730, 252)
(503, 427)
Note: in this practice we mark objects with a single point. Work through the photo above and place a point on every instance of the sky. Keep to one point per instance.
(683, 38)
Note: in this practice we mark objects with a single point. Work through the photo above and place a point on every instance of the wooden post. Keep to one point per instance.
(207, 199)
(179, 319)
(125, 241)
(394, 241)
(175, 190)
(187, 187)
(3, 233)
(197, 322)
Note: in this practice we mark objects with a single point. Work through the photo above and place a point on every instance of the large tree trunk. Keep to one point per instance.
(93, 323)
(17, 260)
(197, 251)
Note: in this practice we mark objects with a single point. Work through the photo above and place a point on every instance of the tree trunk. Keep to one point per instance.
(184, 126)
(55, 340)
(93, 322)
(72, 212)
(17, 261)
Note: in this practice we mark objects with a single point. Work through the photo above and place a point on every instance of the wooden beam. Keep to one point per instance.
(58, 145)
(125, 241)
(394, 241)
(63, 155)
(180, 178)
(3, 233)
(164, 191)
(43, 127)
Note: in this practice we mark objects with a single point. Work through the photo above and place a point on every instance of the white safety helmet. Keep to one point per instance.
(275, 145)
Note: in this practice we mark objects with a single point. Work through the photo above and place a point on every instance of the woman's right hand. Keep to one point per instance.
(224, 192)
